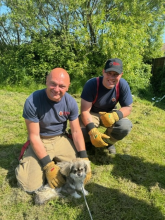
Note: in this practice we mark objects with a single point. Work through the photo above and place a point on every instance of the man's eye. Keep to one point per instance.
(53, 84)
(62, 87)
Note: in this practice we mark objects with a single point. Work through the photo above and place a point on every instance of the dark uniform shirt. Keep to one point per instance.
(106, 100)
(52, 116)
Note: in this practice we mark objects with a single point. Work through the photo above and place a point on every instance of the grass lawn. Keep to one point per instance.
(127, 186)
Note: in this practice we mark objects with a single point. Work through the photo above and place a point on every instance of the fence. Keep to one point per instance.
(158, 63)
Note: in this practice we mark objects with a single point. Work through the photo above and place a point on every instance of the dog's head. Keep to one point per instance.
(78, 167)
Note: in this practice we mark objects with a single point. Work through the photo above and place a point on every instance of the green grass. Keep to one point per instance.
(127, 186)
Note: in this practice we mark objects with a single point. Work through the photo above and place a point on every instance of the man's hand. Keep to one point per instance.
(53, 175)
(108, 119)
(96, 138)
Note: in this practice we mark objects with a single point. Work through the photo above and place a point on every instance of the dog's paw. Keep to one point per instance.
(85, 192)
(75, 195)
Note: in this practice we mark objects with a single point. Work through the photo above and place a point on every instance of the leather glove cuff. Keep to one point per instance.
(45, 160)
(82, 154)
(90, 126)
(119, 113)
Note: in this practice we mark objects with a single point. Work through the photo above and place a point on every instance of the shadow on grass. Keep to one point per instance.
(108, 203)
(148, 95)
(9, 161)
(139, 171)
(130, 167)
(125, 166)
(103, 202)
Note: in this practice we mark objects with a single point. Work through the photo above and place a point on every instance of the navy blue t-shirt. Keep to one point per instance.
(52, 116)
(106, 100)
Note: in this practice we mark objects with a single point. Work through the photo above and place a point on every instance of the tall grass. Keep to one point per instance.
(127, 186)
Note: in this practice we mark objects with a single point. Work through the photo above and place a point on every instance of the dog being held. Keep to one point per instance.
(74, 173)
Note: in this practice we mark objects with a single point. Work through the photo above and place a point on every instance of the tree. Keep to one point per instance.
(90, 31)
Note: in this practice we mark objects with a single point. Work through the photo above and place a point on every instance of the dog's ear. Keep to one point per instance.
(88, 167)
(65, 170)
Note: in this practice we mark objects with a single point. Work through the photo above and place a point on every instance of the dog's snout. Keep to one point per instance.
(79, 173)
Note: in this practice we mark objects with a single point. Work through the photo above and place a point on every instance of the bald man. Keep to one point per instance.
(46, 113)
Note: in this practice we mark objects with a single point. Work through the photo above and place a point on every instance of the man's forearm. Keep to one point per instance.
(86, 118)
(38, 147)
(78, 140)
(126, 110)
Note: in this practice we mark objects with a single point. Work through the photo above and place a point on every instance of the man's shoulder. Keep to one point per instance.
(36, 98)
(123, 83)
(69, 98)
(91, 80)
(91, 83)
(122, 80)
(37, 93)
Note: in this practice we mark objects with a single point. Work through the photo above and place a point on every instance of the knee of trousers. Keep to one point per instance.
(121, 129)
(28, 179)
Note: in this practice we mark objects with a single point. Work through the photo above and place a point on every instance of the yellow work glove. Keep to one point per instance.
(96, 138)
(108, 119)
(53, 175)
(89, 174)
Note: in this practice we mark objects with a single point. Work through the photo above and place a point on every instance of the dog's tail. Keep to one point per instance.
(45, 194)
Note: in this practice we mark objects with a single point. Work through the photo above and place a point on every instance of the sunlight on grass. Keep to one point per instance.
(129, 185)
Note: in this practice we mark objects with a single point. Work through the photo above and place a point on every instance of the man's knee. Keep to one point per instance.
(125, 125)
(121, 129)
(28, 179)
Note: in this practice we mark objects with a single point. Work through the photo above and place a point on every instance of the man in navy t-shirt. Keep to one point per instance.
(46, 113)
(98, 106)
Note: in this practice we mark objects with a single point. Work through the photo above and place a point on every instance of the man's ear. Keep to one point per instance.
(103, 71)
(68, 87)
(46, 80)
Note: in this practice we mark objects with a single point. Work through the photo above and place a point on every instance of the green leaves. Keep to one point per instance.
(80, 36)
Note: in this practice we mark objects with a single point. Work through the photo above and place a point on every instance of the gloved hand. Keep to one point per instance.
(96, 138)
(108, 119)
(53, 175)
(89, 174)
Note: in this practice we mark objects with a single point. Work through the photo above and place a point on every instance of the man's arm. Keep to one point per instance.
(52, 171)
(85, 112)
(126, 110)
(77, 135)
(35, 140)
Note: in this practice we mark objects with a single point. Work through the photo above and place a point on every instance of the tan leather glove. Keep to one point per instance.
(108, 119)
(53, 175)
(89, 174)
(96, 138)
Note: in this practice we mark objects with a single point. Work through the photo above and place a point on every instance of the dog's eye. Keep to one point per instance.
(80, 170)
(74, 171)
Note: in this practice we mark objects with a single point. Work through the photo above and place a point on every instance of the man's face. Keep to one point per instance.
(57, 84)
(110, 79)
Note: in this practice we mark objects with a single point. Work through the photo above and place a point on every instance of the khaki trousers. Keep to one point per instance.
(29, 172)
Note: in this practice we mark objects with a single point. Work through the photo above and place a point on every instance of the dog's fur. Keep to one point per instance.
(75, 173)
